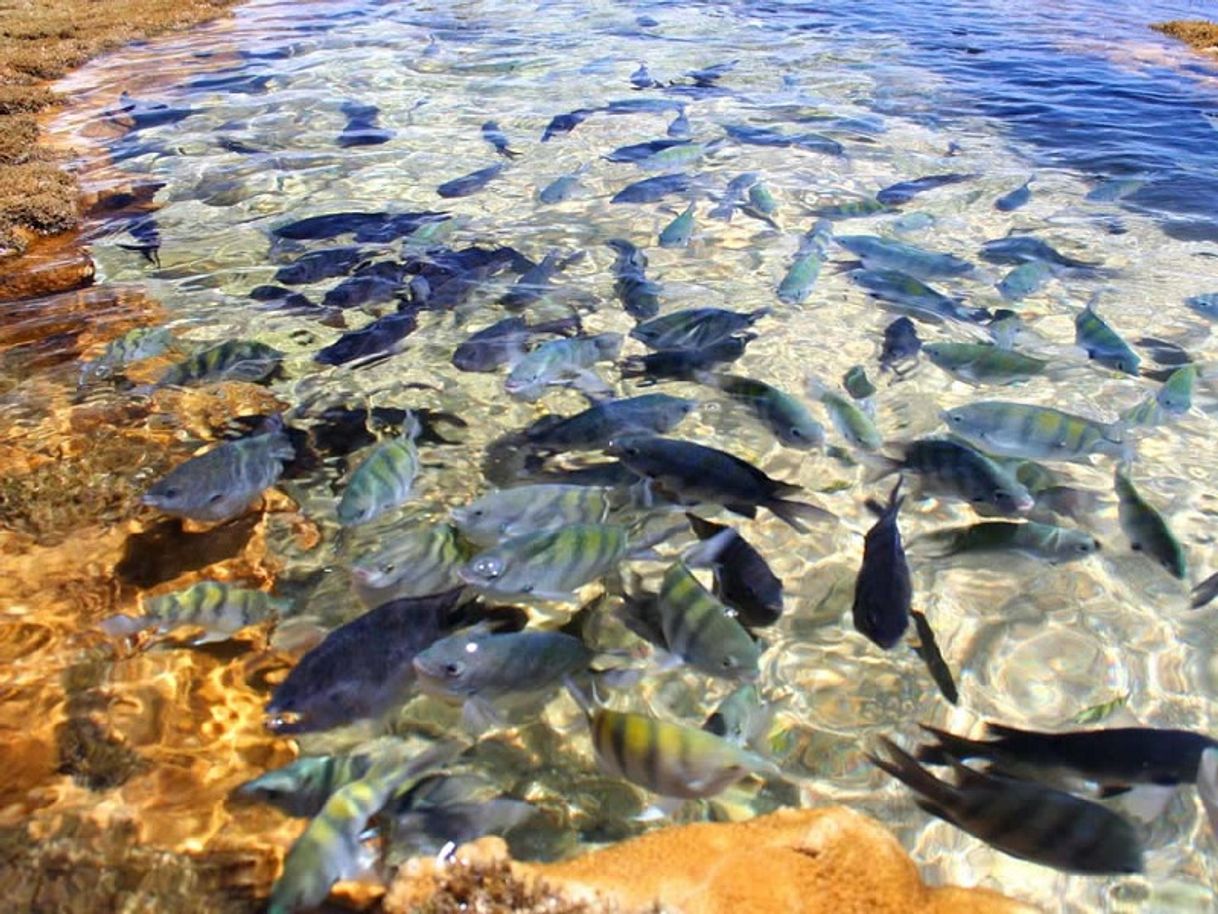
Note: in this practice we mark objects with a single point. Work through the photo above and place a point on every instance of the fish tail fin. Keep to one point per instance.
(949, 747)
(757, 315)
(792, 511)
(905, 768)
(895, 500)
(878, 466)
(588, 703)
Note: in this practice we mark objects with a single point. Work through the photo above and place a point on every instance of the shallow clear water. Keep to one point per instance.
(1001, 90)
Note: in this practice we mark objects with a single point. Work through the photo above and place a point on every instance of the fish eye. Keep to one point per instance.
(488, 567)
(796, 433)
(387, 567)
(217, 497)
(454, 669)
(728, 662)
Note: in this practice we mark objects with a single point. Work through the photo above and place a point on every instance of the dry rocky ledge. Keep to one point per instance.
(796, 861)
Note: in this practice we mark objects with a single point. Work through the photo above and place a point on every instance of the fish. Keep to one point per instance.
(709, 75)
(908, 294)
(901, 193)
(694, 328)
(901, 344)
(505, 341)
(1102, 344)
(1054, 544)
(362, 668)
(565, 123)
(679, 127)
(883, 590)
(983, 363)
(953, 469)
(766, 136)
(329, 849)
(382, 481)
(232, 360)
(596, 426)
(1016, 249)
(220, 484)
(928, 649)
(1098, 712)
(302, 787)
(696, 473)
(1207, 787)
(743, 578)
(133, 346)
(561, 188)
(743, 718)
(1113, 758)
(428, 830)
(1025, 820)
(372, 284)
(470, 183)
(639, 295)
(703, 631)
(533, 284)
(362, 128)
(364, 226)
(1024, 280)
(1113, 189)
(1206, 305)
(884, 254)
(375, 339)
(850, 421)
(643, 106)
(1037, 432)
(677, 233)
(493, 134)
(1013, 200)
(558, 361)
(679, 155)
(548, 564)
(762, 199)
(649, 190)
(857, 384)
(420, 560)
(799, 279)
(734, 195)
(1205, 592)
(782, 413)
(314, 266)
(509, 513)
(684, 364)
(669, 759)
(1146, 529)
(638, 152)
(220, 609)
(642, 79)
(851, 209)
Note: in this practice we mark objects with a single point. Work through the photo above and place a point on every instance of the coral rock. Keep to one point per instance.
(796, 861)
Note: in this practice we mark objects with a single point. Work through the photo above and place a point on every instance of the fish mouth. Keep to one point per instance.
(286, 722)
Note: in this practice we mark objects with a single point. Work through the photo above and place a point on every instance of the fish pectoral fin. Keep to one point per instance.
(478, 716)
(743, 509)
(1108, 791)
(663, 808)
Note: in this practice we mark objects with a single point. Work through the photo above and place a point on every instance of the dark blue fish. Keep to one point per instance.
(638, 294)
(743, 579)
(377, 338)
(318, 265)
(497, 345)
(928, 649)
(533, 283)
(493, 134)
(444, 279)
(679, 128)
(764, 136)
(1018, 249)
(641, 78)
(643, 106)
(1015, 199)
(901, 344)
(684, 364)
(640, 151)
(901, 193)
(136, 114)
(365, 226)
(470, 183)
(708, 76)
(371, 284)
(232, 144)
(883, 590)
(649, 190)
(362, 668)
(1025, 820)
(565, 123)
(233, 84)
(362, 128)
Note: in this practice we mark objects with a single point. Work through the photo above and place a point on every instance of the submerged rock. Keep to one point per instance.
(795, 861)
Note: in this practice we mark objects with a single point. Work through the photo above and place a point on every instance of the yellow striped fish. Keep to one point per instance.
(701, 630)
(530, 509)
(218, 608)
(1035, 432)
(382, 482)
(415, 562)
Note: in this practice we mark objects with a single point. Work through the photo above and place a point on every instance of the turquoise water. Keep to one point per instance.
(999, 91)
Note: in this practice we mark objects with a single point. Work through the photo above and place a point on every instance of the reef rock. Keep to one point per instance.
(795, 861)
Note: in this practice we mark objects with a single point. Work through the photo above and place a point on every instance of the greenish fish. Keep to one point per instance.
(676, 156)
(851, 422)
(1105, 709)
(560, 361)
(508, 513)
(302, 787)
(677, 233)
(1146, 528)
(784, 415)
(1176, 394)
(670, 759)
(951, 468)
(218, 608)
(133, 346)
(805, 269)
(221, 483)
(1103, 344)
(694, 328)
(762, 200)
(1146, 413)
(232, 360)
(1024, 280)
(548, 565)
(879, 253)
(1035, 432)
(381, 482)
(983, 363)
(703, 631)
(851, 209)
(743, 718)
(562, 187)
(901, 292)
(596, 426)
(1054, 544)
(411, 563)
(856, 383)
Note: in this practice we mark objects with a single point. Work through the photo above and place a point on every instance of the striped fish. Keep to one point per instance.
(557, 361)
(412, 563)
(514, 512)
(381, 483)
(983, 363)
(782, 413)
(701, 630)
(329, 848)
(218, 608)
(302, 787)
(1044, 541)
(232, 360)
(949, 468)
(1146, 529)
(670, 759)
(549, 565)
(1036, 432)
(1176, 394)
(133, 346)
(1103, 344)
(1023, 819)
